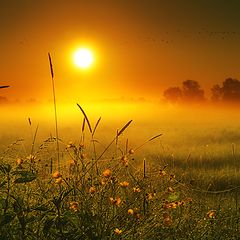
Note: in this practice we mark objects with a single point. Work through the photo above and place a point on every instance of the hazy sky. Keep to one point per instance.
(141, 46)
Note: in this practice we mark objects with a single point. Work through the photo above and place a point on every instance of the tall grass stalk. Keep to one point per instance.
(55, 111)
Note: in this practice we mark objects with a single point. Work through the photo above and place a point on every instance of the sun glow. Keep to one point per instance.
(83, 58)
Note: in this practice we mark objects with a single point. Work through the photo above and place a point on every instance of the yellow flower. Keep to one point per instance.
(70, 145)
(71, 162)
(136, 189)
(131, 151)
(107, 173)
(56, 174)
(150, 196)
(130, 211)
(162, 173)
(83, 156)
(124, 161)
(124, 184)
(170, 189)
(19, 161)
(58, 180)
(31, 158)
(117, 231)
(116, 201)
(92, 190)
(74, 206)
(167, 220)
(211, 214)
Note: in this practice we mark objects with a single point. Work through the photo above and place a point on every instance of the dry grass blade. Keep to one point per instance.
(94, 130)
(50, 62)
(124, 128)
(4, 86)
(159, 135)
(83, 124)
(89, 126)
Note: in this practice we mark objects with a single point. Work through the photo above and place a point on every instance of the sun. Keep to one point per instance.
(83, 58)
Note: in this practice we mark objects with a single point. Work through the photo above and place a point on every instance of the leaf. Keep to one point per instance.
(47, 225)
(173, 197)
(123, 129)
(5, 168)
(88, 123)
(25, 177)
(6, 218)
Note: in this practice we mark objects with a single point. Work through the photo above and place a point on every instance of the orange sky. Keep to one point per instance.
(141, 47)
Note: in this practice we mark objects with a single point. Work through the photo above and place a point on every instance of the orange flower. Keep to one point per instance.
(136, 190)
(167, 220)
(92, 190)
(19, 161)
(124, 184)
(124, 161)
(116, 201)
(131, 151)
(170, 189)
(162, 173)
(130, 211)
(56, 174)
(70, 145)
(71, 162)
(211, 214)
(107, 173)
(83, 156)
(58, 180)
(31, 158)
(74, 206)
(117, 231)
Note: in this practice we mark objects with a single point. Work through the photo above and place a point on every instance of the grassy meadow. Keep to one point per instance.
(171, 173)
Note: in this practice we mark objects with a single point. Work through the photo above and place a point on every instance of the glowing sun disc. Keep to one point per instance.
(83, 58)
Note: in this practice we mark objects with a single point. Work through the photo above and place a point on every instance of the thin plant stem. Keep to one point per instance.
(55, 111)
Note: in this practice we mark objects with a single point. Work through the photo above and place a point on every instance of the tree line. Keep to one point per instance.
(191, 92)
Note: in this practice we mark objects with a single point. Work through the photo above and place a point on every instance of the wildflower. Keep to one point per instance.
(74, 206)
(107, 173)
(70, 145)
(58, 180)
(124, 161)
(136, 190)
(167, 220)
(124, 184)
(83, 156)
(137, 215)
(150, 196)
(116, 201)
(211, 214)
(117, 231)
(170, 189)
(71, 162)
(130, 211)
(19, 161)
(92, 190)
(131, 151)
(31, 158)
(162, 172)
(56, 174)
(172, 176)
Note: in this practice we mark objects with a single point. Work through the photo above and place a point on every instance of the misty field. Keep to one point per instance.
(171, 174)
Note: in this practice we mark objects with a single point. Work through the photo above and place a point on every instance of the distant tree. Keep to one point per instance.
(173, 94)
(216, 93)
(192, 91)
(231, 90)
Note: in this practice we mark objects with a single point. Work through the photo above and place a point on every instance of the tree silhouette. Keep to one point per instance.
(216, 93)
(192, 91)
(229, 92)
(173, 94)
